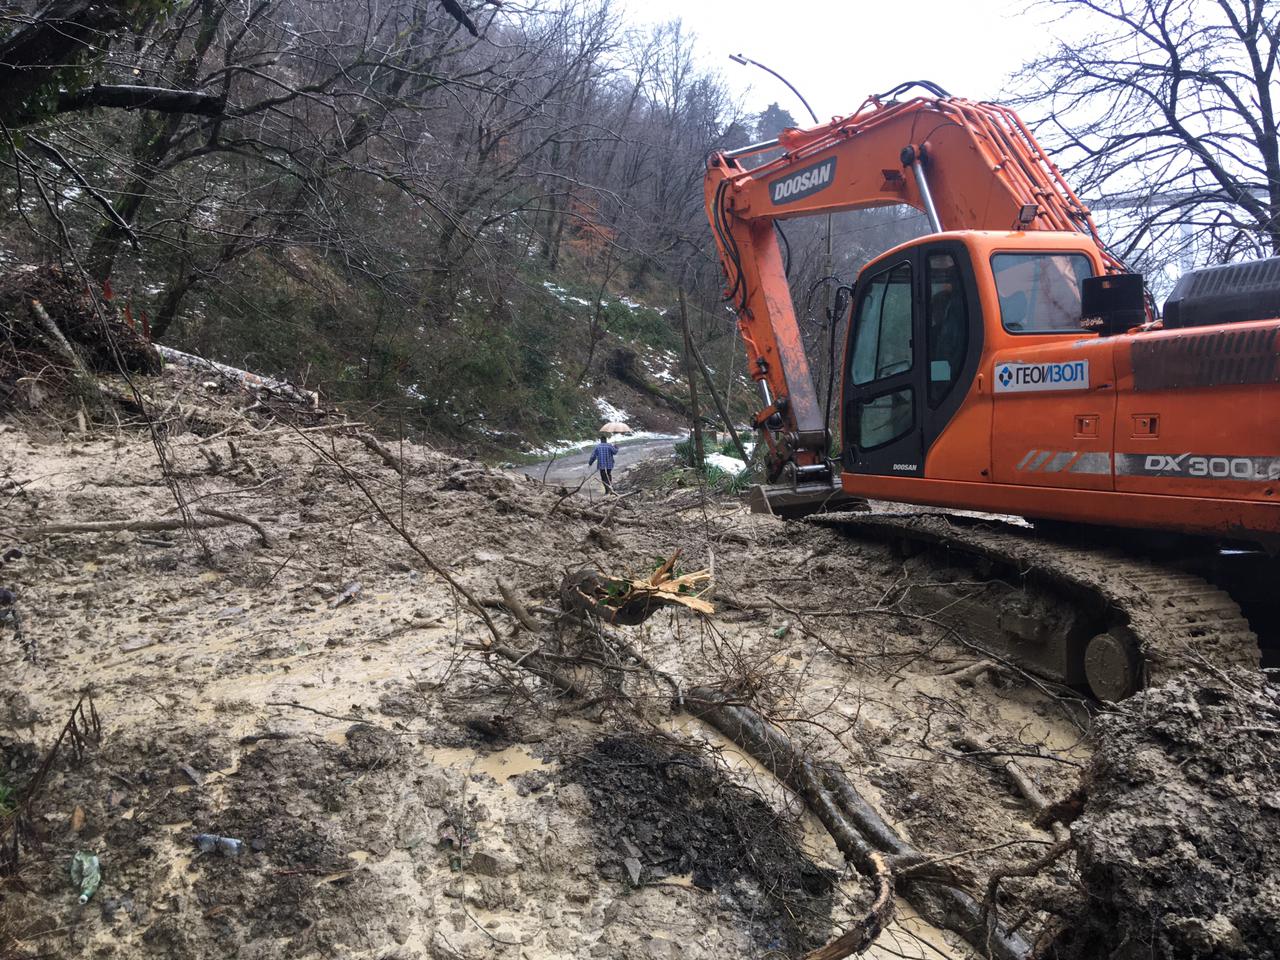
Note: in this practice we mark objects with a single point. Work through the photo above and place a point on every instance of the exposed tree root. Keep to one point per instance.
(940, 903)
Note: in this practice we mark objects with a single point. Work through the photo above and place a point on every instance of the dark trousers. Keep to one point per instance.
(606, 477)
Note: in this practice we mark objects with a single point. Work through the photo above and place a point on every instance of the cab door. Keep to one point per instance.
(914, 344)
(882, 423)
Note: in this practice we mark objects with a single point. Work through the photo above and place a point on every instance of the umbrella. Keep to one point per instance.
(613, 426)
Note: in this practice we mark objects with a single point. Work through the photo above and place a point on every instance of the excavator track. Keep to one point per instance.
(1072, 614)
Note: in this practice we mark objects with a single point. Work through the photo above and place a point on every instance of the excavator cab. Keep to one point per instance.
(978, 375)
(923, 317)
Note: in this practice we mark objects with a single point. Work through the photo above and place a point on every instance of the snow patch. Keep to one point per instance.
(610, 412)
(728, 464)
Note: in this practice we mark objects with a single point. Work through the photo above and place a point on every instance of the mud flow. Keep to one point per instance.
(347, 660)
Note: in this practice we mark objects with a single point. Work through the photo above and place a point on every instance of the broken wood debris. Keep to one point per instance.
(979, 744)
(253, 381)
(626, 600)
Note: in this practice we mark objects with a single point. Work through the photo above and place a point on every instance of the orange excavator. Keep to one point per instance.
(1008, 364)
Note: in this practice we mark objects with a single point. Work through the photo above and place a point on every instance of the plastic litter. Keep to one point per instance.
(227, 846)
(86, 874)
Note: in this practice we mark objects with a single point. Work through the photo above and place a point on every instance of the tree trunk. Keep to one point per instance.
(692, 373)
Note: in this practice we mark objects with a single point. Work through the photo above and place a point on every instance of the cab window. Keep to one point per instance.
(946, 325)
(882, 328)
(1040, 292)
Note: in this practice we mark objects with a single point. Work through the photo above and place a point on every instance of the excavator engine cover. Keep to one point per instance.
(1232, 293)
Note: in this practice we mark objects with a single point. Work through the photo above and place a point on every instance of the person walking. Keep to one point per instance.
(602, 456)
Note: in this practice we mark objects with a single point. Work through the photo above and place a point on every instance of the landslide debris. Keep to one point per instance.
(90, 324)
(662, 812)
(1178, 845)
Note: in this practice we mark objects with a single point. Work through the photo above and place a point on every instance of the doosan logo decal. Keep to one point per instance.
(1027, 377)
(805, 183)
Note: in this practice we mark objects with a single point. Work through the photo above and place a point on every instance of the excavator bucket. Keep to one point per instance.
(792, 501)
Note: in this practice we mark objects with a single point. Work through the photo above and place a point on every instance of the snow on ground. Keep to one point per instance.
(610, 412)
(727, 464)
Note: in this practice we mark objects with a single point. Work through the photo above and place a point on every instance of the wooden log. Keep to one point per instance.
(940, 903)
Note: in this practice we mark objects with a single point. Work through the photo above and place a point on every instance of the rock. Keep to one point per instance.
(490, 865)
(531, 782)
(633, 868)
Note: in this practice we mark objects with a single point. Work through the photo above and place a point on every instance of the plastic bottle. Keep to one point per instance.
(227, 846)
(86, 873)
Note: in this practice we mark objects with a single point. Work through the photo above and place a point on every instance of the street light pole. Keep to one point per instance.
(743, 60)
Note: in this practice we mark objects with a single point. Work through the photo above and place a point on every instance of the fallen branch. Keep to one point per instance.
(971, 672)
(940, 903)
(259, 529)
(565, 496)
(63, 346)
(541, 667)
(117, 526)
(1021, 780)
(518, 610)
(294, 705)
(387, 457)
(989, 911)
(217, 518)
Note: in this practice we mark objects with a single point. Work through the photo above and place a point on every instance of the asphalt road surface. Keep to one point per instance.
(569, 468)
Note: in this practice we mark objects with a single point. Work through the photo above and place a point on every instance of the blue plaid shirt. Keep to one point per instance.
(603, 455)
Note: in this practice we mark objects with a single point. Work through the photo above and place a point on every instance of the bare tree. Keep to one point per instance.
(1166, 109)
(368, 190)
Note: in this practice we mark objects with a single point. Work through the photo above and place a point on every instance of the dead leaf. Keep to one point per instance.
(77, 819)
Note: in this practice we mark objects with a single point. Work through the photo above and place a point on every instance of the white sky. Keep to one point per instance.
(837, 52)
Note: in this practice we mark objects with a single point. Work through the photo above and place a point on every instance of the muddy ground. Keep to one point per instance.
(321, 698)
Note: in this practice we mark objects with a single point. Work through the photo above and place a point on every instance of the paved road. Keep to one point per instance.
(568, 468)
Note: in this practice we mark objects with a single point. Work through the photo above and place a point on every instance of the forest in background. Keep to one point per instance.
(460, 217)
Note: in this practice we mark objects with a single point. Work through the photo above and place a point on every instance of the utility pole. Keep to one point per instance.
(691, 371)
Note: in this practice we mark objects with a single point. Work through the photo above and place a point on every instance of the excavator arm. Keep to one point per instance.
(966, 165)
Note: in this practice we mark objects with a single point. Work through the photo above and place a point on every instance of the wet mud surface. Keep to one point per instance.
(325, 699)
(661, 812)
(1179, 841)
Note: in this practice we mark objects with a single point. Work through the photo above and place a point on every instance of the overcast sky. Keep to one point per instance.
(837, 52)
